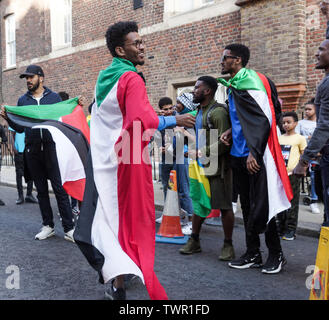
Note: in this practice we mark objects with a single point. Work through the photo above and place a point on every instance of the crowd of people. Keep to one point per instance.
(236, 141)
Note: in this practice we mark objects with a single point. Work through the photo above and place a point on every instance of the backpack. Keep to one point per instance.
(215, 105)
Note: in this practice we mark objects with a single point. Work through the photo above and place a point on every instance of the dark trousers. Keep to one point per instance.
(19, 168)
(254, 199)
(324, 165)
(43, 165)
(165, 173)
(288, 219)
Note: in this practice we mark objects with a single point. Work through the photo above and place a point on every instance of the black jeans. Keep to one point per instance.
(253, 197)
(43, 165)
(324, 165)
(19, 168)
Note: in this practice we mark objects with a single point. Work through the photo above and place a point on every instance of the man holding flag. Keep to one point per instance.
(41, 151)
(116, 226)
(256, 157)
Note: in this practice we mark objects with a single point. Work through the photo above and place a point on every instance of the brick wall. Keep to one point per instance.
(315, 34)
(275, 33)
(188, 52)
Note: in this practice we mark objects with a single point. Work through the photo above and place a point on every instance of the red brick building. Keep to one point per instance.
(184, 40)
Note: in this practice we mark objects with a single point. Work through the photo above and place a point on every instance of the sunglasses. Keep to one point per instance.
(224, 58)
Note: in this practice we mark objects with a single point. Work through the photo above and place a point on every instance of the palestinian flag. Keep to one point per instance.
(68, 127)
(255, 100)
(116, 226)
(199, 190)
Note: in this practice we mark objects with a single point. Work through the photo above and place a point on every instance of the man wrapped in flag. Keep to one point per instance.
(256, 157)
(116, 226)
(56, 135)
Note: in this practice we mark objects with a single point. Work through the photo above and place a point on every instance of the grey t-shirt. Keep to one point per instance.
(306, 128)
(320, 136)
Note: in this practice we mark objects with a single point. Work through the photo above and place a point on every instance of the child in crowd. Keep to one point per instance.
(306, 128)
(292, 145)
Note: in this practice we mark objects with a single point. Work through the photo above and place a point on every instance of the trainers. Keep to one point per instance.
(234, 207)
(2, 203)
(46, 232)
(227, 252)
(159, 220)
(75, 210)
(274, 263)
(247, 261)
(192, 246)
(314, 207)
(31, 199)
(69, 235)
(289, 235)
(20, 200)
(187, 229)
(115, 294)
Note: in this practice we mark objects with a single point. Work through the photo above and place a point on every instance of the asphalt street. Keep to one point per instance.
(55, 269)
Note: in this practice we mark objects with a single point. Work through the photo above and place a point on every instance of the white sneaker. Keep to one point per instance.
(234, 205)
(159, 220)
(187, 229)
(45, 233)
(314, 207)
(69, 235)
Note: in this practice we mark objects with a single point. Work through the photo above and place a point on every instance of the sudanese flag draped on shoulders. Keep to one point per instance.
(116, 226)
(255, 99)
(68, 127)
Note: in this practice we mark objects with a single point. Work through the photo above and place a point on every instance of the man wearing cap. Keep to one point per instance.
(41, 159)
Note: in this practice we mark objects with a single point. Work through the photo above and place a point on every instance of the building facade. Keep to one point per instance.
(184, 40)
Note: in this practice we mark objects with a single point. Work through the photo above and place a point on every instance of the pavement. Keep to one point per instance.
(308, 224)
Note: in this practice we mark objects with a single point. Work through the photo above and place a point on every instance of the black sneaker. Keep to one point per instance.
(289, 235)
(274, 263)
(247, 261)
(2, 203)
(20, 200)
(31, 199)
(118, 294)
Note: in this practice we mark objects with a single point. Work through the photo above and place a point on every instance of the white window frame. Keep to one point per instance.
(61, 24)
(175, 7)
(10, 27)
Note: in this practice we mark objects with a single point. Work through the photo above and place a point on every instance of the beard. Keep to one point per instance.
(33, 88)
(198, 99)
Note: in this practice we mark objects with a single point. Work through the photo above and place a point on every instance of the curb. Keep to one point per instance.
(303, 230)
(13, 185)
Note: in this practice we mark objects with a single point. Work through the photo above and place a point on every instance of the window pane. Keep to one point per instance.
(10, 41)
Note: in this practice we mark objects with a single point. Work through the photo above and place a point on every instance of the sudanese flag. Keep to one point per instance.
(68, 127)
(255, 99)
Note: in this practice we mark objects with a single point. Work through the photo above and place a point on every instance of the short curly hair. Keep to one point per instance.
(116, 33)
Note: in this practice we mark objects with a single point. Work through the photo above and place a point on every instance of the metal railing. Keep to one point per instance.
(7, 152)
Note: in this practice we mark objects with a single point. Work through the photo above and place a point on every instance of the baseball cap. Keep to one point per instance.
(32, 70)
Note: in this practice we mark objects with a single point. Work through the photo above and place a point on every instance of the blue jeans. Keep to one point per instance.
(324, 165)
(183, 185)
(314, 196)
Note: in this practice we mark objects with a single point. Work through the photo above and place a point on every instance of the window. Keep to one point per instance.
(10, 41)
(61, 23)
(179, 6)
